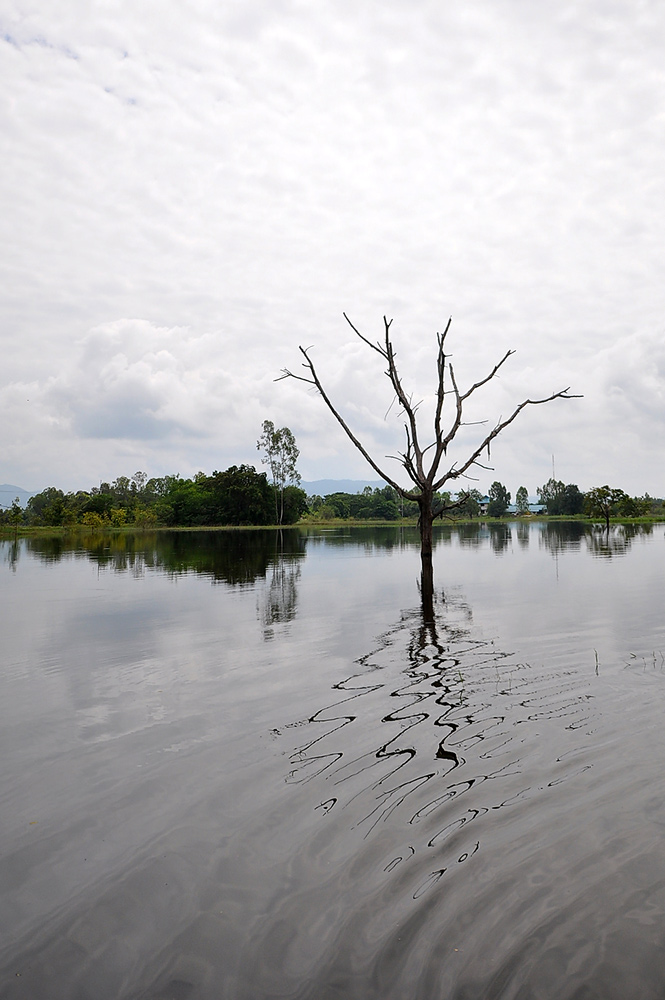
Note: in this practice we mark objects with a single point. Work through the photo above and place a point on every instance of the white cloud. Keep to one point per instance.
(236, 175)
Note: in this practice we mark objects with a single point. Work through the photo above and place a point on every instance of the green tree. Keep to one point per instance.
(280, 454)
(561, 499)
(118, 516)
(571, 500)
(549, 495)
(340, 503)
(241, 495)
(46, 507)
(499, 499)
(603, 501)
(15, 514)
(295, 504)
(121, 489)
(470, 506)
(93, 520)
(522, 500)
(644, 504)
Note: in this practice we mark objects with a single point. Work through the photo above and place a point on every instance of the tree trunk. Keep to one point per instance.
(427, 588)
(427, 569)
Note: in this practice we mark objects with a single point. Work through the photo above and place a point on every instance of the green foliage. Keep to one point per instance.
(572, 500)
(522, 500)
(295, 504)
(561, 499)
(241, 495)
(144, 517)
(605, 502)
(372, 504)
(238, 496)
(471, 505)
(15, 513)
(499, 499)
(93, 520)
(46, 507)
(549, 493)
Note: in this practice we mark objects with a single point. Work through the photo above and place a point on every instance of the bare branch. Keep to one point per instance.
(491, 375)
(289, 374)
(441, 371)
(427, 482)
(455, 473)
(314, 380)
(405, 401)
(375, 347)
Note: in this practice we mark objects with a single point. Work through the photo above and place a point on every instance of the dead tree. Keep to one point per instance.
(427, 481)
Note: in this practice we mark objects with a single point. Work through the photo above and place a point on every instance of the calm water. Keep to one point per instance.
(234, 766)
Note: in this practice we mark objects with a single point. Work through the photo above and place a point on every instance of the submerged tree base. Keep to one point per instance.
(427, 588)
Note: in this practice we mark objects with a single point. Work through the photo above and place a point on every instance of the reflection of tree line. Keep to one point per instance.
(239, 558)
(235, 557)
(242, 556)
(555, 536)
(600, 542)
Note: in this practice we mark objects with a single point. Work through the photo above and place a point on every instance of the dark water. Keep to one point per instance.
(239, 766)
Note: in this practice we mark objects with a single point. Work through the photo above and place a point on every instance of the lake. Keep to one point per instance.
(239, 764)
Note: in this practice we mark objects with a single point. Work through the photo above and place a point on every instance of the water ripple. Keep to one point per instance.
(434, 757)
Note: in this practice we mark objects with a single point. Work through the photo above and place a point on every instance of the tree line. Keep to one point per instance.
(238, 496)
(386, 504)
(242, 496)
(557, 498)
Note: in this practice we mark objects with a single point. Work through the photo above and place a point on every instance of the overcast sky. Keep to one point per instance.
(190, 191)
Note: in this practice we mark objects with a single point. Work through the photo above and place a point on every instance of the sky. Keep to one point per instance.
(191, 191)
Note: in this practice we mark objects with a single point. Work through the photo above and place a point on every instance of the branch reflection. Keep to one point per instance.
(425, 739)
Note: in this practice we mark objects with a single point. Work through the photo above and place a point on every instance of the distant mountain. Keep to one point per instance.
(9, 493)
(323, 487)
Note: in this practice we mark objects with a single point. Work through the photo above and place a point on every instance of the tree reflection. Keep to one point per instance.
(558, 536)
(235, 557)
(472, 535)
(500, 537)
(428, 731)
(523, 532)
(12, 551)
(562, 536)
(280, 598)
(606, 544)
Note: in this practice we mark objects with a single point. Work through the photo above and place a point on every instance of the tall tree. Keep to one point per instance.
(561, 499)
(427, 480)
(550, 493)
(499, 499)
(280, 454)
(604, 501)
(522, 500)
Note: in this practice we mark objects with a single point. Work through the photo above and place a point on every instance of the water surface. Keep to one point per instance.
(241, 765)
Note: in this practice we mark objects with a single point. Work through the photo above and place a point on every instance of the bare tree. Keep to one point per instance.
(427, 480)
